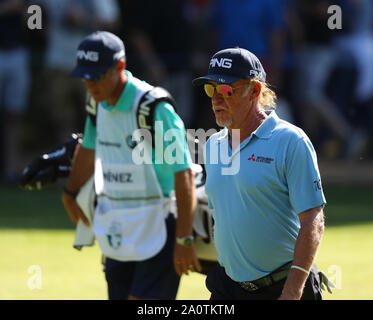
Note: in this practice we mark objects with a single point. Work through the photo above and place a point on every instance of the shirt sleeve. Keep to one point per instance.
(170, 130)
(303, 176)
(89, 138)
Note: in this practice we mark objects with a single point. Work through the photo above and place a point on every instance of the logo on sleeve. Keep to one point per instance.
(317, 184)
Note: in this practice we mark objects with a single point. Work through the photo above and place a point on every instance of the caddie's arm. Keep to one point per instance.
(185, 257)
(306, 246)
(81, 170)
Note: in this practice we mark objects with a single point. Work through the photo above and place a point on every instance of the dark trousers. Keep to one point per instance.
(224, 288)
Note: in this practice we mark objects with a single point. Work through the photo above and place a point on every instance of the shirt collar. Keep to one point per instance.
(264, 131)
(126, 98)
(223, 134)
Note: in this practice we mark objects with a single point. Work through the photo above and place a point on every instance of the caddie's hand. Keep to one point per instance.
(185, 259)
(73, 209)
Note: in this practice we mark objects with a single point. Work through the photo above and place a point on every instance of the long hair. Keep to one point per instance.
(267, 98)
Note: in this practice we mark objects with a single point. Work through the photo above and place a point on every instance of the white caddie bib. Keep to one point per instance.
(129, 221)
(131, 234)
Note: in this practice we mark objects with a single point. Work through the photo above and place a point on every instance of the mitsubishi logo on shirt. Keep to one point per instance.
(260, 159)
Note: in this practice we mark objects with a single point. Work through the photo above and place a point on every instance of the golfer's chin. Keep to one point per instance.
(223, 122)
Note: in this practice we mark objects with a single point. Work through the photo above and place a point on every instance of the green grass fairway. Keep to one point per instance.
(38, 261)
(346, 257)
(65, 272)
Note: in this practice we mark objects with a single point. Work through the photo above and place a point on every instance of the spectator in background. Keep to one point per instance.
(355, 44)
(69, 21)
(160, 37)
(256, 25)
(33, 135)
(197, 13)
(259, 26)
(316, 60)
(14, 83)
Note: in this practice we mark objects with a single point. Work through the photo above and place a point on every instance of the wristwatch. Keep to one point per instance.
(186, 241)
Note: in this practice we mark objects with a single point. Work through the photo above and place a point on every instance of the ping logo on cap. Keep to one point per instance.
(222, 62)
(88, 55)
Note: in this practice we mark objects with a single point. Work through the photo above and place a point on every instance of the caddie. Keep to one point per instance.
(146, 247)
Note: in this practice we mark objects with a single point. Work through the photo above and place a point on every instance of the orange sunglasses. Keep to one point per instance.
(224, 89)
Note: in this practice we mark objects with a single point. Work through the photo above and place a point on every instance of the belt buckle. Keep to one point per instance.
(249, 286)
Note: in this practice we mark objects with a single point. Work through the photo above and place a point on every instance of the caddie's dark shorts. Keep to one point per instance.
(154, 278)
(224, 288)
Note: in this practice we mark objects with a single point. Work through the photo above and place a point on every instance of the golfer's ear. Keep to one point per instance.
(256, 89)
(121, 65)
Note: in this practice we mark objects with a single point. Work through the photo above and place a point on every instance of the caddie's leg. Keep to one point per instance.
(156, 278)
(119, 278)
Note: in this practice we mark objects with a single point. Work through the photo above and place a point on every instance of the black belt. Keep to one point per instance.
(276, 276)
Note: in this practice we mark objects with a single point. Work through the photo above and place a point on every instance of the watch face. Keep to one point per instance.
(185, 241)
(188, 242)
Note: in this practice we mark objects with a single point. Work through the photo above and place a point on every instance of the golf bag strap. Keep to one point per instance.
(144, 109)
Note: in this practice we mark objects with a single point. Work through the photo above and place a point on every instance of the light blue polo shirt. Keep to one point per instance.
(256, 209)
(163, 112)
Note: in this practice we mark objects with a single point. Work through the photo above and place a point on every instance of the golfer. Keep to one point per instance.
(269, 214)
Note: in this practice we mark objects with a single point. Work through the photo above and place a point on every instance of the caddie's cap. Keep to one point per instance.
(97, 53)
(233, 64)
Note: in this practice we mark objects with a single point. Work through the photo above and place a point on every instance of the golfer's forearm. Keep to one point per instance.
(306, 248)
(186, 202)
(308, 241)
(82, 168)
(307, 244)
